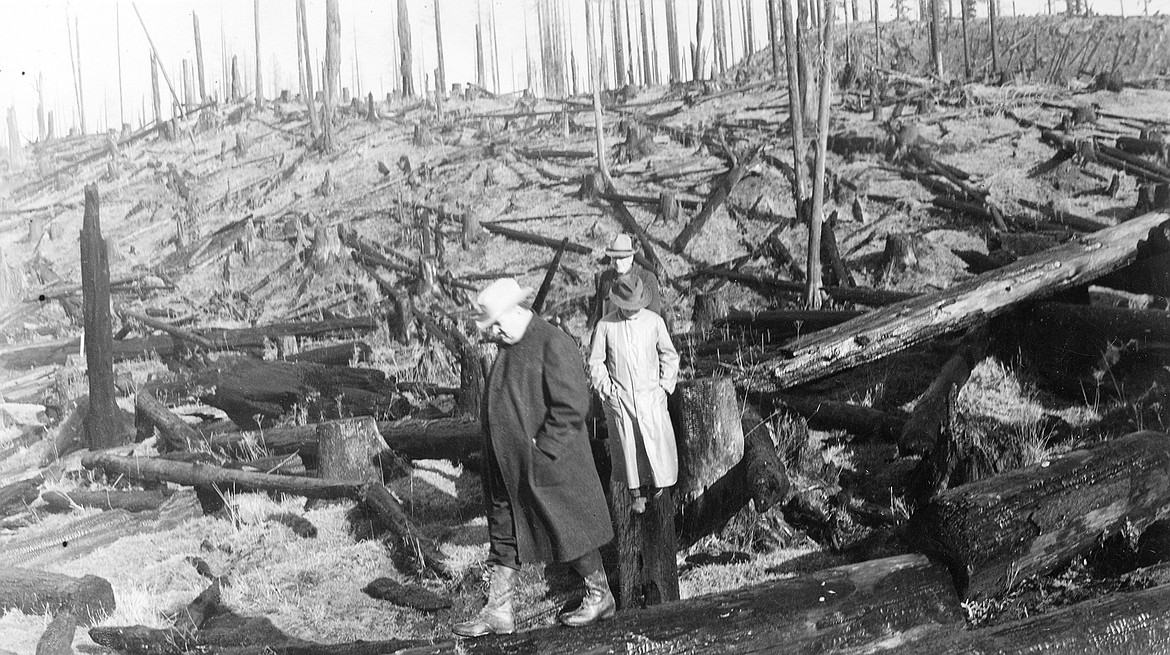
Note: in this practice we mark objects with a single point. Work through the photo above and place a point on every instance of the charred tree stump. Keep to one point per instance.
(57, 639)
(1029, 521)
(710, 308)
(646, 569)
(836, 272)
(472, 232)
(382, 503)
(89, 598)
(101, 425)
(474, 364)
(897, 257)
(349, 450)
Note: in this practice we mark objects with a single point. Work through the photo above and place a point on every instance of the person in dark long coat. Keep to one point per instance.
(544, 498)
(620, 254)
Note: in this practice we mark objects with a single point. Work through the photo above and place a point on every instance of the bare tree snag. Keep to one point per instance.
(992, 19)
(259, 64)
(774, 37)
(903, 324)
(833, 264)
(174, 434)
(406, 68)
(619, 46)
(697, 46)
(936, 45)
(672, 43)
(718, 195)
(1029, 521)
(101, 426)
(332, 68)
(594, 42)
(89, 598)
(474, 364)
(816, 218)
(199, 58)
(308, 92)
(205, 475)
(237, 83)
(441, 71)
(349, 450)
(841, 608)
(795, 109)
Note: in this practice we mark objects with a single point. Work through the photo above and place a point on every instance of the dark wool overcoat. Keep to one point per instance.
(534, 422)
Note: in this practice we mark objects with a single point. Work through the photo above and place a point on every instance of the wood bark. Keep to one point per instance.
(528, 237)
(858, 420)
(697, 46)
(441, 71)
(406, 67)
(308, 93)
(709, 309)
(646, 568)
(673, 52)
(474, 364)
(903, 324)
(89, 598)
(386, 507)
(1000, 530)
(205, 475)
(833, 609)
(237, 83)
(795, 108)
(1116, 624)
(922, 430)
(57, 639)
(816, 214)
(349, 450)
(101, 426)
(550, 273)
(782, 323)
(619, 46)
(16, 496)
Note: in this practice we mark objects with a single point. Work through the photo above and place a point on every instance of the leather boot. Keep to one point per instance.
(597, 605)
(496, 616)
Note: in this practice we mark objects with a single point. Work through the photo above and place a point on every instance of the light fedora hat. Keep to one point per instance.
(629, 292)
(621, 246)
(497, 298)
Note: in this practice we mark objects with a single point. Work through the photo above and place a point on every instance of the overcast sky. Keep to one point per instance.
(34, 42)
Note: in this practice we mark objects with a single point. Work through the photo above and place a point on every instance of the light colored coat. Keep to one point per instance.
(633, 365)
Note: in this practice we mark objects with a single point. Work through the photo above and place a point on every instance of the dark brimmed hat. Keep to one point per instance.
(621, 246)
(629, 292)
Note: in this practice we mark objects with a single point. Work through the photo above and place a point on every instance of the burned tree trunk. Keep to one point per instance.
(101, 425)
(709, 309)
(332, 68)
(386, 507)
(895, 327)
(1031, 520)
(259, 64)
(921, 432)
(474, 364)
(131, 501)
(710, 440)
(174, 434)
(405, 67)
(672, 44)
(90, 598)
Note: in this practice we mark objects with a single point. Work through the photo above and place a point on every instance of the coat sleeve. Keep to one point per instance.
(667, 357)
(598, 371)
(567, 396)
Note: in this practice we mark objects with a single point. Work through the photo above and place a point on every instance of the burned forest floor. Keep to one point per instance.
(233, 224)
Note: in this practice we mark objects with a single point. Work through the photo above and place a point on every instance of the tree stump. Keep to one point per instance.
(669, 207)
(349, 449)
(101, 424)
(326, 249)
(709, 432)
(243, 144)
(475, 361)
(897, 257)
(709, 307)
(371, 109)
(646, 569)
(89, 598)
(472, 232)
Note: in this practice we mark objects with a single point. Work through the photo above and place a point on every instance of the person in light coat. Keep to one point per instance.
(634, 366)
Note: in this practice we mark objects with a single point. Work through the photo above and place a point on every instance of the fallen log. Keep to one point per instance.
(57, 639)
(16, 496)
(89, 598)
(442, 438)
(528, 237)
(718, 196)
(997, 531)
(896, 327)
(833, 609)
(1114, 323)
(131, 501)
(858, 295)
(176, 332)
(150, 414)
(786, 322)
(382, 503)
(631, 225)
(204, 475)
(1117, 624)
(921, 432)
(858, 420)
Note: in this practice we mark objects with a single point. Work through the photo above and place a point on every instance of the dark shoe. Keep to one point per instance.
(597, 605)
(496, 616)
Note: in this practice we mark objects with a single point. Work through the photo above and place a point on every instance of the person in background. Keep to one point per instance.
(541, 488)
(634, 366)
(621, 265)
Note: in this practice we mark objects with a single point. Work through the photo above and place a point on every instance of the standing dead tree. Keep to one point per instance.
(441, 71)
(406, 68)
(332, 66)
(697, 46)
(101, 424)
(813, 270)
(619, 47)
(199, 58)
(307, 92)
(672, 43)
(259, 77)
(594, 37)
